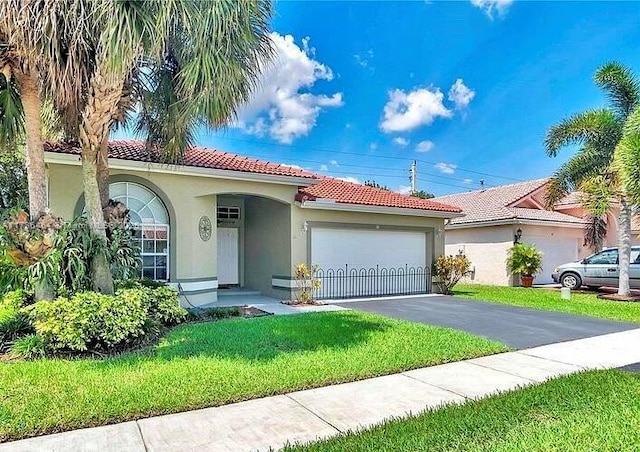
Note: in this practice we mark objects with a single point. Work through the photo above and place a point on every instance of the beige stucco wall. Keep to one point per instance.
(272, 235)
(188, 197)
(486, 248)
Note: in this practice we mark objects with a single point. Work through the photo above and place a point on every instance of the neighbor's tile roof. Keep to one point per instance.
(350, 193)
(490, 204)
(337, 190)
(195, 156)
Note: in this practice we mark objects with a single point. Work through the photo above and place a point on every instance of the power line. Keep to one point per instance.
(291, 146)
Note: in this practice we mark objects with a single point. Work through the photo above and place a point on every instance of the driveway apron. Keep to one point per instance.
(517, 327)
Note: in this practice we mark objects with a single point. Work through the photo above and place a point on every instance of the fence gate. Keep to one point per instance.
(351, 282)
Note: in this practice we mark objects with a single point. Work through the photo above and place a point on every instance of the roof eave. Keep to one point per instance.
(365, 208)
(513, 221)
(134, 165)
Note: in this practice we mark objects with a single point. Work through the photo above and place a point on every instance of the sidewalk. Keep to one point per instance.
(307, 415)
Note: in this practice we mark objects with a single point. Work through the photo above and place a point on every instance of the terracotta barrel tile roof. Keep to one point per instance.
(350, 193)
(195, 157)
(328, 188)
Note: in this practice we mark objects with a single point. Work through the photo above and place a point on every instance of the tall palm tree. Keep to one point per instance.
(185, 63)
(591, 170)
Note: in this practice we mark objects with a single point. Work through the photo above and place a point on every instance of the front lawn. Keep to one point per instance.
(595, 411)
(549, 300)
(207, 364)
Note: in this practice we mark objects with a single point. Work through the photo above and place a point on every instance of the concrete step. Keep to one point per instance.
(237, 293)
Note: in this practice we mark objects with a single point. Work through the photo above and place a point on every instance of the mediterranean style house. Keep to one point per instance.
(496, 217)
(219, 220)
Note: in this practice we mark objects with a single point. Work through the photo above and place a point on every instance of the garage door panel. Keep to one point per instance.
(556, 251)
(335, 248)
(357, 262)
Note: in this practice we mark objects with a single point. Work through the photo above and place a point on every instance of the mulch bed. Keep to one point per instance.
(616, 297)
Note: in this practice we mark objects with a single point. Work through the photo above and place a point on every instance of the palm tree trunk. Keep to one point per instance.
(624, 247)
(94, 134)
(103, 174)
(32, 107)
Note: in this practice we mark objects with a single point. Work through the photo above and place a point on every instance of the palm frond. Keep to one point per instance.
(601, 128)
(621, 86)
(597, 194)
(11, 114)
(595, 231)
(627, 163)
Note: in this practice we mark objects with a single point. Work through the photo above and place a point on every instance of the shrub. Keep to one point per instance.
(13, 322)
(29, 347)
(164, 305)
(90, 319)
(524, 259)
(450, 270)
(222, 312)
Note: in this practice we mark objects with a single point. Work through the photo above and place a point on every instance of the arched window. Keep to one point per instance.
(150, 221)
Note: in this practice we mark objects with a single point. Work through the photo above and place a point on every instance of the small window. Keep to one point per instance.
(635, 256)
(607, 257)
(228, 213)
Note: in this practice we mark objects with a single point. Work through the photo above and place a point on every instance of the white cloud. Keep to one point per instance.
(467, 181)
(491, 6)
(364, 58)
(447, 168)
(401, 141)
(353, 180)
(283, 107)
(324, 168)
(460, 94)
(404, 189)
(373, 146)
(424, 146)
(333, 162)
(406, 111)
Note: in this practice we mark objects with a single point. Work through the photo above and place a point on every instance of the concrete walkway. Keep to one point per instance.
(268, 304)
(305, 416)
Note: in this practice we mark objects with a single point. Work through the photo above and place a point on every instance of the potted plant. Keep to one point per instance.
(526, 261)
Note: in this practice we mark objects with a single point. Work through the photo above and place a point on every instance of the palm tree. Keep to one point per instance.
(591, 170)
(185, 63)
(20, 110)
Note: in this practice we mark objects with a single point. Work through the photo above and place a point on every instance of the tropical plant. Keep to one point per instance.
(307, 282)
(592, 171)
(450, 270)
(14, 191)
(423, 194)
(524, 259)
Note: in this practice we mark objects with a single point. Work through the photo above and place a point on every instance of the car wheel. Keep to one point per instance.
(571, 280)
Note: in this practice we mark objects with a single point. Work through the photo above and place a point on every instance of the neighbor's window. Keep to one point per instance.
(150, 221)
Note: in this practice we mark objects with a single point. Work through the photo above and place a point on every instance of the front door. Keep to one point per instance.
(228, 256)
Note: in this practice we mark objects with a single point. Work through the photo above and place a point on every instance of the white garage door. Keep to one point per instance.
(356, 262)
(555, 251)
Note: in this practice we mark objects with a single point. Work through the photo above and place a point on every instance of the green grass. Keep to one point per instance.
(208, 364)
(596, 411)
(549, 300)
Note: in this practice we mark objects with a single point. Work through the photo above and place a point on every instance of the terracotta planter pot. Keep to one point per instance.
(527, 281)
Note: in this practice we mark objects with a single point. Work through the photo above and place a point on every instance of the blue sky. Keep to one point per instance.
(467, 88)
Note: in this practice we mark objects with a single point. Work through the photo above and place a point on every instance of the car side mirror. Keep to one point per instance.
(583, 261)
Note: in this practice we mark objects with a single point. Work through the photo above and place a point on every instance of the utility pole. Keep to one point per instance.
(413, 176)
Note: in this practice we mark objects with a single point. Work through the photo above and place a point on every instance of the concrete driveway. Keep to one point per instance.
(517, 327)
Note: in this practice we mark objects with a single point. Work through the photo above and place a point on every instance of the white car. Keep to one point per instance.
(597, 270)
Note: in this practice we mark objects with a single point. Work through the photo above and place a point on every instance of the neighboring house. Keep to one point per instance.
(493, 217)
(220, 220)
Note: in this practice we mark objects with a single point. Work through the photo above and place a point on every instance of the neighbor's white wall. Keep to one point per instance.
(486, 248)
